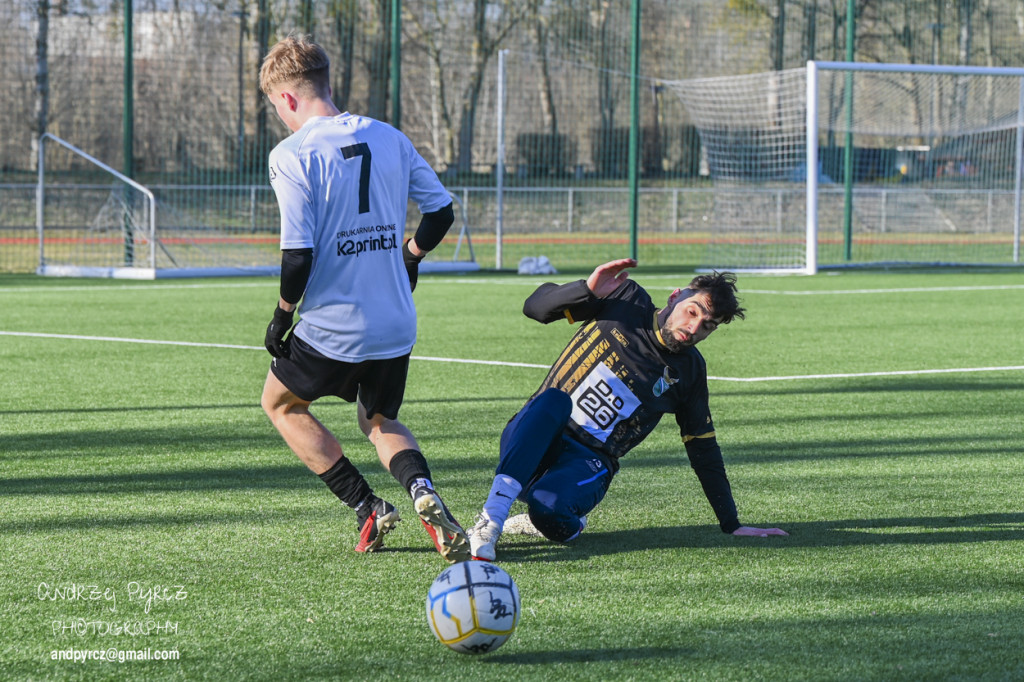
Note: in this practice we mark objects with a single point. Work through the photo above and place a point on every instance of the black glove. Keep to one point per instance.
(412, 264)
(278, 327)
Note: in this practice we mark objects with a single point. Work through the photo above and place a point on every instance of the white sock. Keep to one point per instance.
(503, 493)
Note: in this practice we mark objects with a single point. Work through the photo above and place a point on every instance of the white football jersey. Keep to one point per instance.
(343, 184)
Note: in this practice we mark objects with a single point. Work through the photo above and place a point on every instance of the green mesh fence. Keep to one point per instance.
(200, 131)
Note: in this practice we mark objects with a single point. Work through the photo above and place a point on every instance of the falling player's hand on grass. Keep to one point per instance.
(758, 532)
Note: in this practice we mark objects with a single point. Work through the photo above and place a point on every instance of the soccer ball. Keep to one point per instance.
(473, 607)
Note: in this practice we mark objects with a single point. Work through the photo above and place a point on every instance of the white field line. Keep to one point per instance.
(533, 281)
(142, 286)
(530, 280)
(194, 344)
(498, 363)
(906, 372)
(907, 290)
(116, 339)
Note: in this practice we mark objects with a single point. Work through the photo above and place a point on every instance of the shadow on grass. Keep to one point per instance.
(774, 452)
(588, 655)
(326, 403)
(937, 530)
(121, 409)
(184, 439)
(168, 520)
(895, 383)
(291, 476)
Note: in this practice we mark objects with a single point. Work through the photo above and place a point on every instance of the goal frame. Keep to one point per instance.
(813, 68)
(146, 267)
(77, 271)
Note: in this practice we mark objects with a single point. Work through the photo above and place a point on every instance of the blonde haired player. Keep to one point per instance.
(343, 183)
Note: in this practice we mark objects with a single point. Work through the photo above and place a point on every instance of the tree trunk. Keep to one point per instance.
(306, 16)
(262, 46)
(483, 46)
(810, 30)
(965, 10)
(547, 98)
(440, 117)
(42, 94)
(778, 41)
(479, 54)
(988, 17)
(343, 15)
(380, 64)
(467, 118)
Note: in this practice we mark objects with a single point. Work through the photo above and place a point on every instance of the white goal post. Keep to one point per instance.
(123, 201)
(861, 164)
(970, 135)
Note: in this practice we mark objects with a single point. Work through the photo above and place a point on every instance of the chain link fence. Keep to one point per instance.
(199, 131)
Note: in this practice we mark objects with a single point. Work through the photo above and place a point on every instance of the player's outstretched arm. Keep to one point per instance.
(758, 532)
(608, 277)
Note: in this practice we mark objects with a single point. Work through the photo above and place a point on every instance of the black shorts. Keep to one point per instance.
(379, 384)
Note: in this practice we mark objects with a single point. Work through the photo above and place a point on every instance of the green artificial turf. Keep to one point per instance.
(148, 471)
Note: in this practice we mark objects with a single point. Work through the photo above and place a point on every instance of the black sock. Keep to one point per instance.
(347, 483)
(408, 466)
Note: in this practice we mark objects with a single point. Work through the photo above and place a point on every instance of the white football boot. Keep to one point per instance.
(483, 538)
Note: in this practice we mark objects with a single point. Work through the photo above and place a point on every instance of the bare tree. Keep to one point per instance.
(41, 109)
(541, 30)
(988, 22)
(775, 11)
(379, 63)
(307, 17)
(342, 16)
(810, 47)
(263, 28)
(965, 11)
(593, 31)
(429, 30)
(487, 35)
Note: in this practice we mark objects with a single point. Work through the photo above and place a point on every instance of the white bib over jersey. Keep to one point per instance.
(343, 184)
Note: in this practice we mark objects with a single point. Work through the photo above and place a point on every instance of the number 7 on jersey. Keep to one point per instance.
(361, 149)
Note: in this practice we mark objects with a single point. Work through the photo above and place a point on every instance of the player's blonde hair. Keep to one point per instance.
(298, 62)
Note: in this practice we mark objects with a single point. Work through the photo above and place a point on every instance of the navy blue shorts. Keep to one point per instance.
(379, 385)
(567, 489)
(562, 479)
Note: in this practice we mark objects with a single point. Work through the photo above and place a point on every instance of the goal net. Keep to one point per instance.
(914, 165)
(95, 222)
(752, 133)
(105, 224)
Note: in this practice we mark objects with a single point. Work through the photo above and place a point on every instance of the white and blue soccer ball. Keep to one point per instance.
(473, 607)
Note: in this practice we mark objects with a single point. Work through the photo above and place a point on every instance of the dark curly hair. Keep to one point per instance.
(721, 287)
